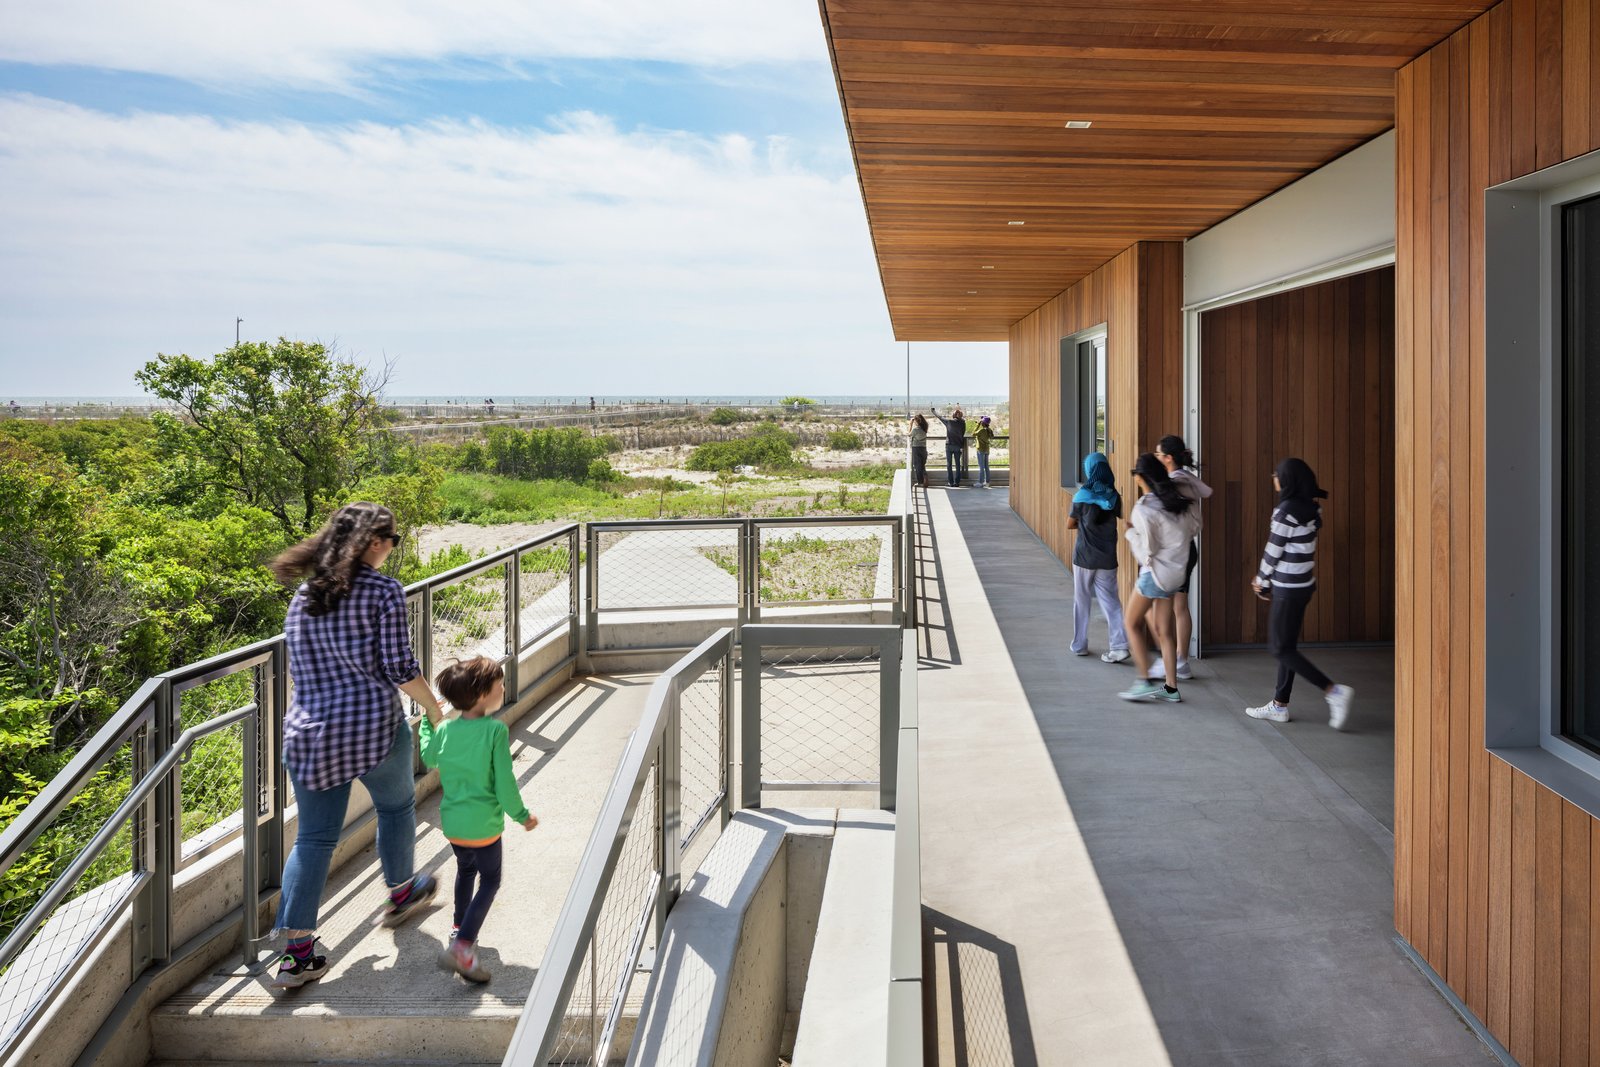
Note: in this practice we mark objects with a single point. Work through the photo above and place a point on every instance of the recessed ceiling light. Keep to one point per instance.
(1078, 124)
(988, 268)
(972, 292)
(1016, 224)
(961, 307)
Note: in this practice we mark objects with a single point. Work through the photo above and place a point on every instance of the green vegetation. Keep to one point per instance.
(797, 401)
(487, 500)
(769, 447)
(726, 417)
(844, 441)
(799, 567)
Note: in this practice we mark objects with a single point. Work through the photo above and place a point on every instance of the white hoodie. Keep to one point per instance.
(1160, 539)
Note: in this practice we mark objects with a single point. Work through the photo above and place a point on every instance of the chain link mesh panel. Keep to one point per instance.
(691, 566)
(702, 753)
(819, 714)
(97, 897)
(211, 779)
(469, 617)
(608, 965)
(545, 594)
(819, 564)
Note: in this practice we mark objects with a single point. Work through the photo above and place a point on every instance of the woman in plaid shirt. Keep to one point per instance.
(350, 659)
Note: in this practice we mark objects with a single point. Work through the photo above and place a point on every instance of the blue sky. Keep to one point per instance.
(498, 196)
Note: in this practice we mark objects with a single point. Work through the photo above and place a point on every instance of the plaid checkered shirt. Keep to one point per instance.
(345, 666)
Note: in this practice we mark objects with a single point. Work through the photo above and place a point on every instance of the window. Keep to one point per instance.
(1578, 350)
(1083, 402)
(1541, 262)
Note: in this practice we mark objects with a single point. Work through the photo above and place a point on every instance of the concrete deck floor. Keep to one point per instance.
(382, 990)
(1114, 883)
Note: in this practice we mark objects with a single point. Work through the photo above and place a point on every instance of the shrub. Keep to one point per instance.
(797, 401)
(601, 472)
(769, 446)
(724, 417)
(844, 440)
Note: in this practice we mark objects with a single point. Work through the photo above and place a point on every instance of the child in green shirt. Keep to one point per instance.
(473, 754)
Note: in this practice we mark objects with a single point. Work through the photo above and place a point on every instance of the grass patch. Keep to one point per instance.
(815, 568)
(487, 500)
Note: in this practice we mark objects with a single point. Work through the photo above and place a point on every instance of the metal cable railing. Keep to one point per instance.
(192, 762)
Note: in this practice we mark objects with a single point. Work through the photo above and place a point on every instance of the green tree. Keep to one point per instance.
(285, 427)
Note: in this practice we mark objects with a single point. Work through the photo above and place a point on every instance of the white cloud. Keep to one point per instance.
(577, 257)
(330, 43)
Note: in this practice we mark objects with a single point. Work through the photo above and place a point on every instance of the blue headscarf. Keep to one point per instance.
(1099, 486)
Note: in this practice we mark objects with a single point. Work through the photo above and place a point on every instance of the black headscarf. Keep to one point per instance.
(1298, 486)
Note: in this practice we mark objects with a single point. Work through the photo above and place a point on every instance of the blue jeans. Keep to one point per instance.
(322, 815)
(952, 466)
(983, 468)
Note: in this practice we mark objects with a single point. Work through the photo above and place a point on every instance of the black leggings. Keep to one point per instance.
(482, 861)
(1283, 635)
(919, 464)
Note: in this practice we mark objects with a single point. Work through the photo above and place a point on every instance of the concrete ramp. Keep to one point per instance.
(383, 999)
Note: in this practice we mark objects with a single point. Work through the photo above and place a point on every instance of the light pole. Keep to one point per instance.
(908, 379)
(236, 322)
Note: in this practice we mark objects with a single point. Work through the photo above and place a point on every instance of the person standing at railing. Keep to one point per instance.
(350, 658)
(919, 450)
(472, 752)
(983, 438)
(955, 446)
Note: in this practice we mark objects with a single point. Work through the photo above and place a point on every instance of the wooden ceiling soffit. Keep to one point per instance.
(956, 114)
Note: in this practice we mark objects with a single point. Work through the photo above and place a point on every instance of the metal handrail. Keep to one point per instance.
(654, 744)
(150, 719)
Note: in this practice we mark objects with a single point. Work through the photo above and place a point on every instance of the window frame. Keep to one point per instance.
(1084, 393)
(1525, 522)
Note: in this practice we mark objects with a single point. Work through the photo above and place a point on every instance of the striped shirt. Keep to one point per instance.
(1291, 557)
(345, 666)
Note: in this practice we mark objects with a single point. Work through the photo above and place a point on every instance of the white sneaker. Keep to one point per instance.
(1272, 711)
(1158, 669)
(1116, 655)
(1339, 698)
(1080, 652)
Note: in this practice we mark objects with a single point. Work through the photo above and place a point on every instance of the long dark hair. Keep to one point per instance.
(332, 554)
(1148, 467)
(1173, 446)
(920, 420)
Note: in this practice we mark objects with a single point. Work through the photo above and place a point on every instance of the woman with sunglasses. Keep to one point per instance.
(350, 658)
(1178, 460)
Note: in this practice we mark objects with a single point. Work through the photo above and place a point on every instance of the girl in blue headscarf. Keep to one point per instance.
(1096, 507)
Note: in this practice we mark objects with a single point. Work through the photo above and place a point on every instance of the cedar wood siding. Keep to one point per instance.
(1138, 295)
(1497, 879)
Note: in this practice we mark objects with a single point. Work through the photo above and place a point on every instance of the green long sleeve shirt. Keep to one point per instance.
(475, 775)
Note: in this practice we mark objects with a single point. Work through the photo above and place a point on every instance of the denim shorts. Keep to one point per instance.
(1147, 586)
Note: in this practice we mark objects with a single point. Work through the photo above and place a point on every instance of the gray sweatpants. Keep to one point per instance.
(1089, 585)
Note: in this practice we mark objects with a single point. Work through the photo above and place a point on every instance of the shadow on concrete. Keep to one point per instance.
(1252, 893)
(980, 1015)
(936, 637)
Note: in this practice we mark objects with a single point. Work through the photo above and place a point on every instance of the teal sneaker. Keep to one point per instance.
(1144, 689)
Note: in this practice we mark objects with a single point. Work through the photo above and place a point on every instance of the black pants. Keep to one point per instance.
(919, 464)
(480, 864)
(1283, 635)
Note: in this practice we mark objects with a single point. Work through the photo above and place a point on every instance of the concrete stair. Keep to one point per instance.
(383, 999)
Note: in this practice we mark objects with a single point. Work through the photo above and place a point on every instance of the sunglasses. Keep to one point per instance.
(392, 538)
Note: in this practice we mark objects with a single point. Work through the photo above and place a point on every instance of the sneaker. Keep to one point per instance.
(1272, 711)
(1339, 698)
(1116, 655)
(1148, 690)
(1080, 652)
(423, 887)
(462, 958)
(1158, 670)
(294, 972)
